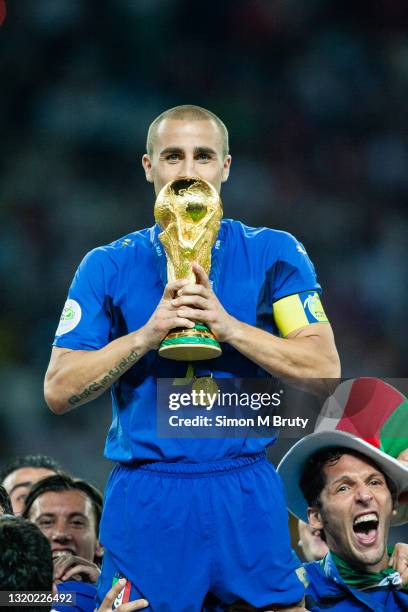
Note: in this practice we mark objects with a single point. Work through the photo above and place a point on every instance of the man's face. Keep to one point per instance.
(67, 520)
(355, 513)
(19, 483)
(187, 148)
(313, 547)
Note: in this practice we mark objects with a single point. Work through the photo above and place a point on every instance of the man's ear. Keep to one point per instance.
(226, 168)
(147, 166)
(98, 552)
(314, 517)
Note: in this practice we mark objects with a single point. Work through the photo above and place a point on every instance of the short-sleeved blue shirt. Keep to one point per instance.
(115, 291)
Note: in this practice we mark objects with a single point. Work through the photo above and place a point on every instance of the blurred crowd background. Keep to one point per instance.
(314, 94)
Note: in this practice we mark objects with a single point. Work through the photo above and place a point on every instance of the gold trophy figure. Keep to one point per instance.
(189, 211)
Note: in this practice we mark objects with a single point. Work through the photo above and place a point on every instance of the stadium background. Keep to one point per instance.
(314, 95)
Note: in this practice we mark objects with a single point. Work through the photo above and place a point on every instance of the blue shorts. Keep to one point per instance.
(179, 531)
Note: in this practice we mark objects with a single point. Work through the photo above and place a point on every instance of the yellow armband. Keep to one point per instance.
(298, 310)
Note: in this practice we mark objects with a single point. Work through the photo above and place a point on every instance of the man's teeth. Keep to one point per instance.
(365, 518)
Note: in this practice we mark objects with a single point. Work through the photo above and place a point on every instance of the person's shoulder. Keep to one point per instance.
(278, 243)
(264, 233)
(119, 249)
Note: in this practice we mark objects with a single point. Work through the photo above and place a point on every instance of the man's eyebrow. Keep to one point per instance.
(342, 478)
(52, 515)
(20, 484)
(78, 515)
(375, 475)
(45, 515)
(168, 150)
(347, 478)
(204, 150)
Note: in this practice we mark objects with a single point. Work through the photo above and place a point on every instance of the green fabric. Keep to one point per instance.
(189, 340)
(356, 578)
(394, 433)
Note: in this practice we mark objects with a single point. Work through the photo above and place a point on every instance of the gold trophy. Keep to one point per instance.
(189, 211)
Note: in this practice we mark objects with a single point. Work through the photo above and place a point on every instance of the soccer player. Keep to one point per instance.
(351, 499)
(68, 512)
(26, 565)
(186, 518)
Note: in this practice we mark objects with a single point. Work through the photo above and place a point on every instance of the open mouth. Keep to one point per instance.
(365, 528)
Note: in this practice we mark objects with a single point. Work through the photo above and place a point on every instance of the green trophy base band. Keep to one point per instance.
(197, 344)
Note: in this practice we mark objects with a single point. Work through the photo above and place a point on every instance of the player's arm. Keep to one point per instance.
(306, 352)
(75, 377)
(309, 352)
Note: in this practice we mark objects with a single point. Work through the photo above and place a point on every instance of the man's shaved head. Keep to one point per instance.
(191, 113)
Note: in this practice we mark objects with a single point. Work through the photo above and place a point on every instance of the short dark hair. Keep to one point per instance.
(64, 482)
(34, 461)
(313, 478)
(5, 503)
(26, 559)
(192, 113)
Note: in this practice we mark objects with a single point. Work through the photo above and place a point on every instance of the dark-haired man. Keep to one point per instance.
(350, 493)
(262, 302)
(68, 512)
(21, 473)
(25, 559)
(26, 565)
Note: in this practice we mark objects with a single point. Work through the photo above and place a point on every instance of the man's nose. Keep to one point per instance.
(364, 494)
(188, 167)
(61, 534)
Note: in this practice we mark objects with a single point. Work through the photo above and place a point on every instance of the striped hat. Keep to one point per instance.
(366, 415)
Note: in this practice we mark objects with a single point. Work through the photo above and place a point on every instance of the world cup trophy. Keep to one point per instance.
(189, 212)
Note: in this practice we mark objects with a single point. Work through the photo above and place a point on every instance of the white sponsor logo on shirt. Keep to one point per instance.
(70, 317)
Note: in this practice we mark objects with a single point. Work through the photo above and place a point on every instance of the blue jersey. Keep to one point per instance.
(327, 590)
(84, 593)
(115, 291)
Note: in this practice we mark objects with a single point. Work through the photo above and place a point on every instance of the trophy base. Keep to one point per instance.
(197, 344)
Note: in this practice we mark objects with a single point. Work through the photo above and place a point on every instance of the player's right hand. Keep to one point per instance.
(106, 605)
(165, 317)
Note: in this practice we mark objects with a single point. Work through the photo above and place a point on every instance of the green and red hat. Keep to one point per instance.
(367, 415)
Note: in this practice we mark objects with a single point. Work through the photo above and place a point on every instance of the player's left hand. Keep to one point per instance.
(200, 304)
(70, 567)
(399, 561)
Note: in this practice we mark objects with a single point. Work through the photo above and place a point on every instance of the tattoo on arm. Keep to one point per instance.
(107, 380)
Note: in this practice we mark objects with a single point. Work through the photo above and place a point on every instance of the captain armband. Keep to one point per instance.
(298, 310)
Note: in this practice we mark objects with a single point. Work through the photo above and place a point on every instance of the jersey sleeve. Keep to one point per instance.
(294, 271)
(296, 295)
(85, 320)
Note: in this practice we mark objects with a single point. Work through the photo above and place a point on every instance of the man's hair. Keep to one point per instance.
(5, 503)
(193, 113)
(313, 478)
(34, 461)
(25, 559)
(63, 482)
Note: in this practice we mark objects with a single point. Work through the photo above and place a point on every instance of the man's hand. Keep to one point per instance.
(399, 561)
(200, 304)
(166, 316)
(106, 605)
(70, 567)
